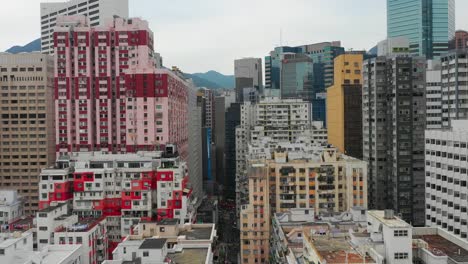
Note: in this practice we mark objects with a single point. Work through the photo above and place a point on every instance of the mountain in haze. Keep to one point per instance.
(30, 47)
(213, 80)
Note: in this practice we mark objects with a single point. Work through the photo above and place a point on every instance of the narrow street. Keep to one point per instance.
(228, 236)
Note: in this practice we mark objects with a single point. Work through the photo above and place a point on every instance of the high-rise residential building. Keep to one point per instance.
(195, 148)
(446, 178)
(394, 118)
(121, 102)
(27, 121)
(98, 12)
(248, 74)
(460, 41)
(429, 25)
(121, 187)
(272, 118)
(344, 105)
(318, 178)
(322, 55)
(433, 95)
(454, 86)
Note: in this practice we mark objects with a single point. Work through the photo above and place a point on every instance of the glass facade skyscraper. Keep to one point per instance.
(302, 72)
(429, 25)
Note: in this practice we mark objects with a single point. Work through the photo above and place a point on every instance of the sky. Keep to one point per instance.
(202, 35)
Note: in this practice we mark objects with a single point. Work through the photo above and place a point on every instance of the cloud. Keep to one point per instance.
(209, 34)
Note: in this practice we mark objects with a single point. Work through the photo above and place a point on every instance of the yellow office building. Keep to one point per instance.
(344, 105)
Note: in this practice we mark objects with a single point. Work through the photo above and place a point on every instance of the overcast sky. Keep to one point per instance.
(202, 35)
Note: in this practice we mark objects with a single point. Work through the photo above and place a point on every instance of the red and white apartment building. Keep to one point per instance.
(124, 188)
(109, 96)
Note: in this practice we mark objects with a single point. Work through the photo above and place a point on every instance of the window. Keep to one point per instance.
(79, 240)
(43, 228)
(162, 229)
(145, 254)
(401, 255)
(400, 233)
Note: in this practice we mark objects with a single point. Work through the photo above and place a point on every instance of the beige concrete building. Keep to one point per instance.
(322, 179)
(27, 134)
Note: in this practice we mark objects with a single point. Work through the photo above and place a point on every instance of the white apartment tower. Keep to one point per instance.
(446, 178)
(98, 12)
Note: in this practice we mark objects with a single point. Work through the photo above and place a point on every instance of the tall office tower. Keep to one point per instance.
(394, 118)
(27, 121)
(297, 77)
(322, 54)
(98, 12)
(460, 41)
(195, 149)
(303, 72)
(232, 120)
(208, 110)
(433, 95)
(446, 178)
(429, 25)
(454, 86)
(344, 105)
(297, 176)
(248, 74)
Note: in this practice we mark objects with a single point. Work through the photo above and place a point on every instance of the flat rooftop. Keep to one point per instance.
(83, 225)
(153, 243)
(440, 246)
(393, 222)
(337, 250)
(51, 208)
(189, 256)
(168, 221)
(59, 253)
(203, 233)
(22, 224)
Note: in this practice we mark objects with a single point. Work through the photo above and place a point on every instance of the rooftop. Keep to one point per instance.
(338, 250)
(198, 233)
(440, 246)
(8, 239)
(24, 224)
(393, 222)
(189, 256)
(51, 208)
(331, 243)
(59, 253)
(153, 243)
(83, 225)
(168, 221)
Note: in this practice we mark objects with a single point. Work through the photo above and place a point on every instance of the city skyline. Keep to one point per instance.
(174, 26)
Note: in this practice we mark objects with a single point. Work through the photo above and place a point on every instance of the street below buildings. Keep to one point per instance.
(228, 236)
